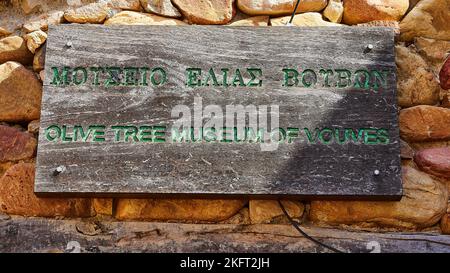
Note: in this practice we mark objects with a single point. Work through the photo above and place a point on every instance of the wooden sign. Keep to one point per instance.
(219, 111)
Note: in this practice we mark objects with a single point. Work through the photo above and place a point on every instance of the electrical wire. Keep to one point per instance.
(293, 223)
(297, 227)
(293, 13)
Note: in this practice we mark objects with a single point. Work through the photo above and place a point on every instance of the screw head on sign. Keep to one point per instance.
(368, 48)
(376, 172)
(59, 169)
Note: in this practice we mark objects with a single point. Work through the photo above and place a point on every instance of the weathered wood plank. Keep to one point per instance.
(303, 168)
(19, 235)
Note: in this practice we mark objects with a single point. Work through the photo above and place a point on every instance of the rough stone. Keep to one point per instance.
(424, 123)
(94, 13)
(445, 223)
(4, 167)
(239, 15)
(269, 211)
(15, 144)
(279, 7)
(33, 127)
(334, 11)
(52, 236)
(435, 161)
(429, 19)
(29, 6)
(6, 26)
(423, 204)
(35, 39)
(206, 12)
(20, 93)
(408, 163)
(363, 11)
(406, 152)
(445, 102)
(43, 21)
(432, 51)
(240, 218)
(177, 209)
(309, 19)
(125, 4)
(262, 20)
(4, 32)
(39, 59)
(42, 75)
(14, 48)
(11, 19)
(17, 197)
(103, 206)
(444, 75)
(88, 228)
(137, 18)
(429, 145)
(416, 84)
(161, 7)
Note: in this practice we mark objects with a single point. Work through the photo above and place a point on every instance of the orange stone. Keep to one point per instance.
(425, 123)
(177, 209)
(444, 75)
(423, 204)
(15, 144)
(435, 161)
(20, 93)
(17, 197)
(14, 48)
(206, 12)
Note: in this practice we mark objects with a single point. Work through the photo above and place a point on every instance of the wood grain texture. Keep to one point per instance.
(226, 169)
(19, 235)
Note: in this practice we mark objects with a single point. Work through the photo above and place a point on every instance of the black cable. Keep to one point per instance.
(293, 223)
(295, 10)
(297, 227)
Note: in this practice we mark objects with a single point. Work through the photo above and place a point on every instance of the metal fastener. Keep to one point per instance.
(69, 44)
(58, 170)
(368, 48)
(376, 172)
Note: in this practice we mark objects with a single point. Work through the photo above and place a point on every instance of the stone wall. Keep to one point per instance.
(423, 42)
